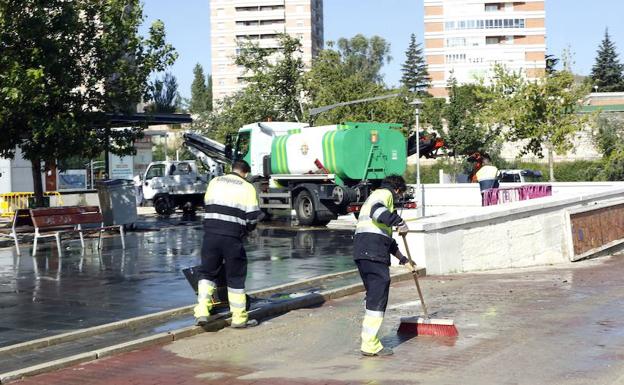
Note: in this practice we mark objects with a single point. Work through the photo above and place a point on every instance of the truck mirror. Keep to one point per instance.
(228, 151)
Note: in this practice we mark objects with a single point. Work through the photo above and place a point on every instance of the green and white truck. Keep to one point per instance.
(319, 171)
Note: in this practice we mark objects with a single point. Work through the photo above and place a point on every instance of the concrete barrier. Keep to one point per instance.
(458, 197)
(519, 234)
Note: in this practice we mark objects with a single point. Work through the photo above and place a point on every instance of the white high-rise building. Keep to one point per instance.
(260, 21)
(465, 38)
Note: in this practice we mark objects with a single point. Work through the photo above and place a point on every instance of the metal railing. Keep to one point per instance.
(496, 196)
(9, 202)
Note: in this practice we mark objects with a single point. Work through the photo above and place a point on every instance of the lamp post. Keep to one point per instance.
(417, 103)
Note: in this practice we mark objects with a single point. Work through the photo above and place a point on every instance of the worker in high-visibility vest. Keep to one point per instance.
(487, 176)
(231, 212)
(373, 244)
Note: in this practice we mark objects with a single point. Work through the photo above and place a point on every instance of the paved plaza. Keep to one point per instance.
(550, 325)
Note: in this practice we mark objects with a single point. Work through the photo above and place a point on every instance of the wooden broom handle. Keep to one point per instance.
(415, 275)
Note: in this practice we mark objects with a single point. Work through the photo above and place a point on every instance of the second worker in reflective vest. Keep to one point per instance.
(231, 212)
(487, 176)
(373, 244)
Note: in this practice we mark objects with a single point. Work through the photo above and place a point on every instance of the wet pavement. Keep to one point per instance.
(48, 295)
(553, 325)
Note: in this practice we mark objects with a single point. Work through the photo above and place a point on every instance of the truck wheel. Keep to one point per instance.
(305, 208)
(163, 206)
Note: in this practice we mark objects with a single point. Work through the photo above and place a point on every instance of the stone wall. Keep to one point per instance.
(520, 234)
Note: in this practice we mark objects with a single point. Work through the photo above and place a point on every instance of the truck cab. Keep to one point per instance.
(175, 184)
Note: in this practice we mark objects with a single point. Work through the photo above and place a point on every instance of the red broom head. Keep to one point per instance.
(428, 327)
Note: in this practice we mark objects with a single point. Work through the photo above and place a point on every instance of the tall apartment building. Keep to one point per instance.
(465, 38)
(260, 21)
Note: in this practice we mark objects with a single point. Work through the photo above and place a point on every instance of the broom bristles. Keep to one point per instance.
(430, 327)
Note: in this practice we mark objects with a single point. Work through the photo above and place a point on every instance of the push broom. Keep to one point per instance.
(424, 325)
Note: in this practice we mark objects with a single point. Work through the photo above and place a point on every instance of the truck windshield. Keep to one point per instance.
(242, 144)
(156, 170)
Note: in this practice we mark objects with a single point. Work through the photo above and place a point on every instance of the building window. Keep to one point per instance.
(220, 25)
(220, 12)
(492, 40)
(456, 42)
(487, 24)
(257, 8)
(247, 22)
(456, 58)
(491, 7)
(271, 22)
(221, 82)
(300, 23)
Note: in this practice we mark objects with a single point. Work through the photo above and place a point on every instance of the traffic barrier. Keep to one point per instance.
(497, 196)
(9, 202)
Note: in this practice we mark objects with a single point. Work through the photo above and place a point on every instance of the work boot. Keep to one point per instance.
(248, 324)
(383, 352)
(201, 321)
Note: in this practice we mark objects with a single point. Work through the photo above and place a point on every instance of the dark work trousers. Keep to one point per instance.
(376, 278)
(219, 248)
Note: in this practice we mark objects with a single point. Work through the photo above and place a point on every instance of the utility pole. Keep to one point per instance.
(417, 103)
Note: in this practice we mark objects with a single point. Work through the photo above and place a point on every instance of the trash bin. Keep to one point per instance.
(117, 201)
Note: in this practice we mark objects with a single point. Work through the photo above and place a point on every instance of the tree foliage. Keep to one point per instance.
(608, 73)
(64, 66)
(201, 91)
(541, 114)
(364, 56)
(415, 75)
(273, 87)
(465, 134)
(164, 95)
(352, 71)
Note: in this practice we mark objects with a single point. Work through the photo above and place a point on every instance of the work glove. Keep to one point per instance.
(402, 228)
(402, 258)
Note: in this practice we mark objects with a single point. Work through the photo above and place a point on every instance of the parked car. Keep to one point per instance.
(520, 176)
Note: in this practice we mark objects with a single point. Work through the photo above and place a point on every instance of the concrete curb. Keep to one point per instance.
(162, 338)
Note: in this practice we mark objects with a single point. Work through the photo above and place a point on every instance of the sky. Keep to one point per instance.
(577, 24)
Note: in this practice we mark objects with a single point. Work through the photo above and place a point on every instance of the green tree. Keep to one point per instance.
(607, 72)
(201, 91)
(164, 95)
(66, 65)
(465, 135)
(272, 89)
(541, 114)
(609, 134)
(352, 71)
(415, 75)
(551, 64)
(364, 56)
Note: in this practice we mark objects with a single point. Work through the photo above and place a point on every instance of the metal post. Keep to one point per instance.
(92, 175)
(417, 103)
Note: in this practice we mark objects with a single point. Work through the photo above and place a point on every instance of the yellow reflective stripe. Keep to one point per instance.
(205, 289)
(370, 328)
(486, 173)
(238, 304)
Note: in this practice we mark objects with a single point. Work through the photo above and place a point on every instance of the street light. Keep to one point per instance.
(417, 103)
